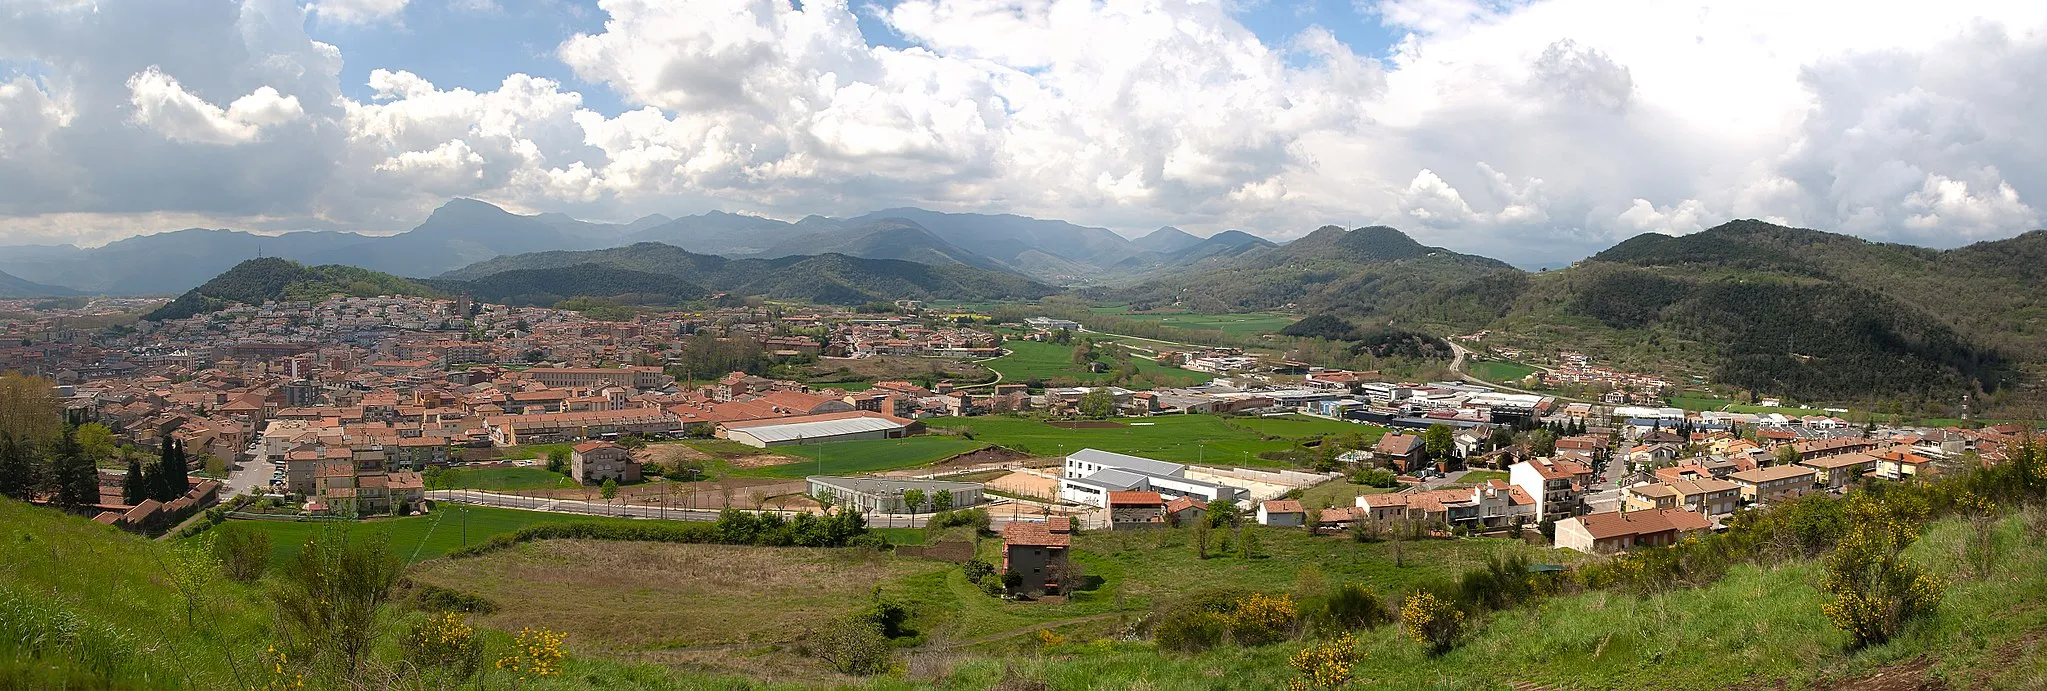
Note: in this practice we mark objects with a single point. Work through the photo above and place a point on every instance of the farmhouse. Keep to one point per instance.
(1136, 510)
(1035, 551)
(1092, 474)
(878, 495)
(817, 429)
(1282, 513)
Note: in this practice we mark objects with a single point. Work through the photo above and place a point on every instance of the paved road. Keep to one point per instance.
(253, 474)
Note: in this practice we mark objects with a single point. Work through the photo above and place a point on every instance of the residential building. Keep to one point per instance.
(1707, 496)
(1840, 470)
(1400, 451)
(593, 462)
(1774, 483)
(1035, 551)
(1557, 485)
(1649, 497)
(1903, 465)
(511, 430)
(1283, 513)
(1136, 510)
(1491, 505)
(1614, 531)
(871, 495)
(1184, 511)
(585, 377)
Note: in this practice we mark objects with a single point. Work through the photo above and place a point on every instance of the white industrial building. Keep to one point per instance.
(817, 429)
(877, 495)
(1092, 474)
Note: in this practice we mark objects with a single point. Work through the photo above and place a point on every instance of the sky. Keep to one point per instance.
(1534, 131)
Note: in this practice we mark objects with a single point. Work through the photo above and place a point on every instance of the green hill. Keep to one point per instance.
(257, 280)
(824, 278)
(547, 286)
(1355, 273)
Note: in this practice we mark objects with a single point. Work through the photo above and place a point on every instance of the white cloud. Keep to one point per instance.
(361, 11)
(1536, 130)
(163, 105)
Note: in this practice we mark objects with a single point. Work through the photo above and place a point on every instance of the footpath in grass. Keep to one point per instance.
(858, 457)
(1207, 439)
(513, 478)
(1050, 362)
(415, 538)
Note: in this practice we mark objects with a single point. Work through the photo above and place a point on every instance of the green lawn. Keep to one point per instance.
(857, 457)
(1053, 362)
(1699, 403)
(416, 538)
(532, 451)
(1180, 438)
(1479, 476)
(514, 478)
(1499, 370)
(1335, 493)
(1297, 426)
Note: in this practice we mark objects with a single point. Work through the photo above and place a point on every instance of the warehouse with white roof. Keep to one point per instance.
(854, 425)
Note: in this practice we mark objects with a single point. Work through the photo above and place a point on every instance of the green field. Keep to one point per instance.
(1698, 403)
(416, 538)
(532, 451)
(1052, 362)
(1499, 370)
(514, 478)
(1207, 439)
(1479, 476)
(858, 457)
(1335, 493)
(1298, 426)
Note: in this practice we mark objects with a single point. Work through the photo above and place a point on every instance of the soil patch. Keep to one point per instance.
(1087, 424)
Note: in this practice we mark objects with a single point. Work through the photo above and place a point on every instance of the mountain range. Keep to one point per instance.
(14, 287)
(466, 231)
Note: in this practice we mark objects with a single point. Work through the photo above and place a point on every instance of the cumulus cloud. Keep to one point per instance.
(1535, 130)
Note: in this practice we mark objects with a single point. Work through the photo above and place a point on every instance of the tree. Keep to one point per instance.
(171, 473)
(913, 499)
(1098, 403)
(1223, 512)
(1786, 455)
(1067, 574)
(941, 501)
(28, 408)
(1542, 443)
(78, 482)
(134, 485)
(96, 441)
(851, 645)
(558, 461)
(17, 467)
(610, 488)
(1439, 441)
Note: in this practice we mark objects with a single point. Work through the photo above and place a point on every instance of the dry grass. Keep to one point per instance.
(625, 597)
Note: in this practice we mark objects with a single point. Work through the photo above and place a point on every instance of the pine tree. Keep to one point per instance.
(77, 481)
(171, 471)
(17, 469)
(135, 486)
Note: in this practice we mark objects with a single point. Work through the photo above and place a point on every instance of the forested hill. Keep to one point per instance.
(258, 280)
(1364, 272)
(1785, 311)
(823, 278)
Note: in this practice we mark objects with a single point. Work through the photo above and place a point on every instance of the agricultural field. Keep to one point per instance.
(1499, 370)
(513, 478)
(1209, 439)
(1297, 426)
(1052, 362)
(415, 538)
(1336, 493)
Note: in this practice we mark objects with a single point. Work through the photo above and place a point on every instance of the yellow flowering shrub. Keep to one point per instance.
(444, 641)
(1431, 621)
(277, 673)
(1258, 618)
(1325, 665)
(1872, 589)
(536, 654)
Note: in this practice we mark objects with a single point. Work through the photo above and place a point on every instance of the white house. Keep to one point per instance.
(1092, 474)
(1284, 513)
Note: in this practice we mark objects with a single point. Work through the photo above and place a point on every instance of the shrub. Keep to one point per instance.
(977, 569)
(851, 645)
(433, 598)
(330, 599)
(1258, 619)
(1326, 665)
(993, 587)
(1432, 621)
(1873, 589)
(1351, 607)
(977, 518)
(1190, 631)
(444, 642)
(243, 554)
(535, 654)
(1500, 584)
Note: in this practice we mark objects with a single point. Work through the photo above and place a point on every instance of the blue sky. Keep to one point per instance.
(452, 45)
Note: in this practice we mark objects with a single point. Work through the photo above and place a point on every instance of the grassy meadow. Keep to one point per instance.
(1052, 362)
(514, 478)
(415, 538)
(1499, 370)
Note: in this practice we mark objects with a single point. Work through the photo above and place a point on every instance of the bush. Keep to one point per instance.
(446, 643)
(1500, 584)
(1351, 607)
(1325, 666)
(851, 645)
(1258, 619)
(433, 598)
(977, 518)
(1432, 621)
(1190, 631)
(1873, 589)
(733, 527)
(977, 569)
(243, 554)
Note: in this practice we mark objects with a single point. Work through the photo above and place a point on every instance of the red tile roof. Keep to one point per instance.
(1136, 499)
(1034, 535)
(1614, 524)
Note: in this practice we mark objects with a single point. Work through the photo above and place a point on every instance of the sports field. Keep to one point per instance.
(1029, 360)
(1180, 438)
(858, 457)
